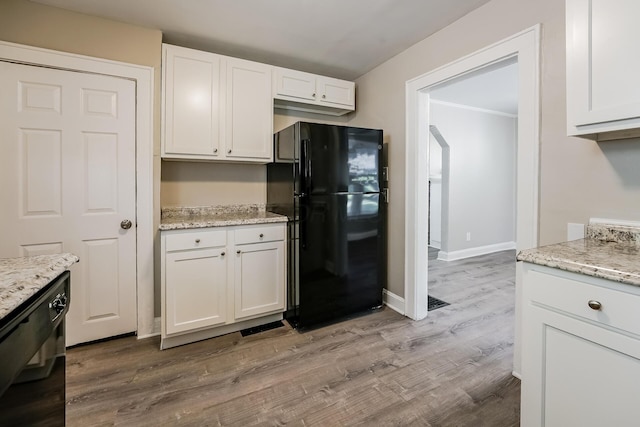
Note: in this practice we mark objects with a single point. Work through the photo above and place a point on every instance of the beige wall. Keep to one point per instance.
(202, 184)
(205, 184)
(578, 178)
(48, 27)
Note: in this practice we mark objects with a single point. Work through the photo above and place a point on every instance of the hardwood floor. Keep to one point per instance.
(451, 369)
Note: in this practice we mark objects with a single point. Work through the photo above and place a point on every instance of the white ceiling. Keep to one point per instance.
(339, 38)
(492, 88)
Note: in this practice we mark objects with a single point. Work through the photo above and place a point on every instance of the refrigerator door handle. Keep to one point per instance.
(305, 165)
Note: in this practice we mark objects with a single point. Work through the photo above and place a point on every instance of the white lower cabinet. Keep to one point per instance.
(581, 350)
(220, 280)
(196, 282)
(259, 274)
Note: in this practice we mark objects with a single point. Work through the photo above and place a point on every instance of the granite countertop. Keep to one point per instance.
(609, 252)
(20, 278)
(181, 218)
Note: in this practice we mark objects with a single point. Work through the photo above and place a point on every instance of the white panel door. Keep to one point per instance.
(196, 284)
(602, 61)
(259, 279)
(295, 84)
(334, 91)
(67, 153)
(249, 122)
(191, 102)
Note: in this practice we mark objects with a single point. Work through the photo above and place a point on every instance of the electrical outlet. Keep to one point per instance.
(468, 236)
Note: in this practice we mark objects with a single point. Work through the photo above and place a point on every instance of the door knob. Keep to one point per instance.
(125, 224)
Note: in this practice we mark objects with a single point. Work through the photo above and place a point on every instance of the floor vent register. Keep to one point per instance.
(435, 303)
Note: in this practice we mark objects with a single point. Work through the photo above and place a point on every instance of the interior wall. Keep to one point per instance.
(481, 175)
(206, 184)
(34, 24)
(579, 178)
(435, 193)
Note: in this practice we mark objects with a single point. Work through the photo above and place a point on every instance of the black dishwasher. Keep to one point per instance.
(32, 357)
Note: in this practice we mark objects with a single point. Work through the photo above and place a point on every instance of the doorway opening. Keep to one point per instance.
(472, 187)
(523, 48)
(472, 163)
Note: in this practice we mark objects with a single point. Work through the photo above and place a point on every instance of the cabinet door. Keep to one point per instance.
(334, 91)
(603, 67)
(196, 284)
(249, 122)
(191, 100)
(259, 279)
(294, 84)
(576, 373)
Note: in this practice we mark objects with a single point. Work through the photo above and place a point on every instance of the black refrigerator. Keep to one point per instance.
(327, 180)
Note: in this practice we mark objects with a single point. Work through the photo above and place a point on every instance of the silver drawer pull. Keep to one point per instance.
(594, 305)
(197, 240)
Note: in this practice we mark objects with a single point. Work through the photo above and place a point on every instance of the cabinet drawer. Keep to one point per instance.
(260, 233)
(194, 239)
(618, 309)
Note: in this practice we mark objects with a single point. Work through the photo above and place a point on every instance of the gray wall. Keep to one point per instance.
(481, 197)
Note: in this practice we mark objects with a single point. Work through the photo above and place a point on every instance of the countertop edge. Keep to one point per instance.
(186, 225)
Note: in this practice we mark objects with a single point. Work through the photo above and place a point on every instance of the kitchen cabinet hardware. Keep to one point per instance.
(594, 305)
(238, 251)
(261, 235)
(222, 254)
(197, 240)
(126, 224)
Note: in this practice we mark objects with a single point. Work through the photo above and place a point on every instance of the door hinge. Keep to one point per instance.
(385, 195)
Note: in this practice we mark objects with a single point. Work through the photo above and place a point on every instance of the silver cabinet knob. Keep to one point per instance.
(229, 151)
(594, 305)
(222, 253)
(215, 150)
(324, 96)
(197, 240)
(261, 235)
(125, 224)
(313, 95)
(238, 251)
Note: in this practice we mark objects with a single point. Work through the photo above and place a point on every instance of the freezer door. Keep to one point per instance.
(338, 159)
(341, 259)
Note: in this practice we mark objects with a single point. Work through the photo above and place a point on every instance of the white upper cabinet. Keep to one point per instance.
(297, 90)
(249, 124)
(603, 70)
(191, 89)
(215, 107)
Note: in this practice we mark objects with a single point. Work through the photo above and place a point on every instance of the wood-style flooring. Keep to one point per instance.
(451, 369)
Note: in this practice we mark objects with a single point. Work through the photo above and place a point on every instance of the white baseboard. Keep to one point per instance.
(393, 301)
(471, 252)
(517, 375)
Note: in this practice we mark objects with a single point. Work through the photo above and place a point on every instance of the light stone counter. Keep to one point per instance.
(609, 252)
(20, 278)
(216, 216)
